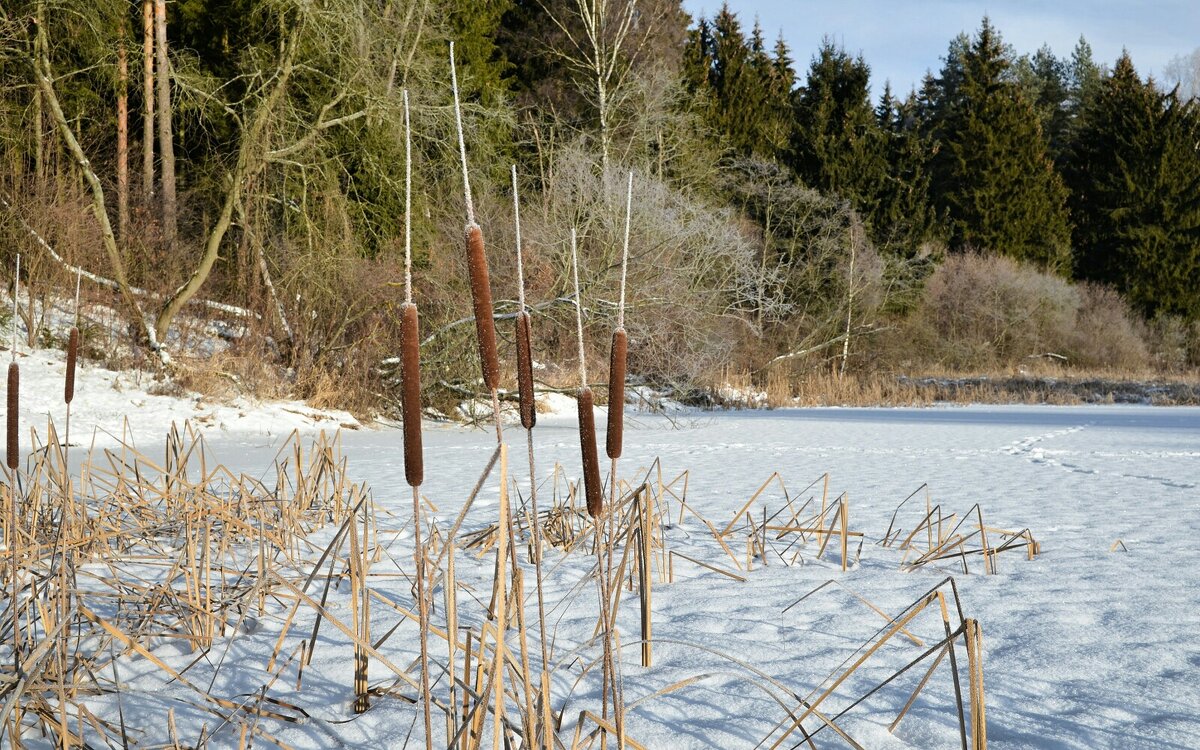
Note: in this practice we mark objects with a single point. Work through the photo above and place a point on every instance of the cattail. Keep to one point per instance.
(525, 371)
(481, 296)
(72, 354)
(616, 393)
(587, 447)
(410, 394)
(14, 400)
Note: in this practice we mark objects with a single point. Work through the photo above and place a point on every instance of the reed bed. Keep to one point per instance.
(128, 553)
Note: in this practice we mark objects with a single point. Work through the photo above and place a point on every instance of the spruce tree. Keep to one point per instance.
(1043, 79)
(1135, 183)
(837, 145)
(904, 217)
(994, 179)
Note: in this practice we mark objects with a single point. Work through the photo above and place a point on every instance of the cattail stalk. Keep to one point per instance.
(616, 393)
(528, 420)
(410, 396)
(592, 489)
(14, 385)
(477, 268)
(14, 398)
(481, 299)
(585, 401)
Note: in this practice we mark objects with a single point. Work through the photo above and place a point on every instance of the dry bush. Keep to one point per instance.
(344, 311)
(1106, 332)
(987, 310)
(1175, 343)
(694, 276)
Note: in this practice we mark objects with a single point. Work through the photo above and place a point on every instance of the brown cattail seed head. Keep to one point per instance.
(616, 393)
(587, 448)
(410, 393)
(525, 371)
(14, 402)
(72, 355)
(481, 298)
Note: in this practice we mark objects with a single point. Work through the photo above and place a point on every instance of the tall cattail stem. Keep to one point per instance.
(528, 408)
(410, 407)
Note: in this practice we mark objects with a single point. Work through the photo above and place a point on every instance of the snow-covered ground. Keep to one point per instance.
(1083, 647)
(105, 398)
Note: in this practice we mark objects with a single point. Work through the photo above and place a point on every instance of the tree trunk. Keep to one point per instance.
(849, 304)
(97, 190)
(165, 146)
(39, 167)
(148, 101)
(252, 155)
(122, 137)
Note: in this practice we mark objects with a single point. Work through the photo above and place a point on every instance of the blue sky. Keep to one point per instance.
(900, 39)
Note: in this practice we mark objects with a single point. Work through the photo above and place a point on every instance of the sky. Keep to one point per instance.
(901, 39)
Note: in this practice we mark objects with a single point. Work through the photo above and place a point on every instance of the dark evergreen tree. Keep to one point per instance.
(904, 217)
(993, 177)
(1044, 83)
(1135, 183)
(739, 88)
(837, 145)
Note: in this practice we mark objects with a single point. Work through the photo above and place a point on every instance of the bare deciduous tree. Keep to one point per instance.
(603, 38)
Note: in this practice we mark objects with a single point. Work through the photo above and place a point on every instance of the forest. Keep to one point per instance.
(238, 166)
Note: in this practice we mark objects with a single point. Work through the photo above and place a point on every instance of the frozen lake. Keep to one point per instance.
(1083, 647)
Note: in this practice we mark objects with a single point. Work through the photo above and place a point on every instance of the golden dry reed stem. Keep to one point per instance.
(481, 298)
(501, 597)
(462, 144)
(450, 591)
(423, 614)
(616, 393)
(14, 402)
(410, 394)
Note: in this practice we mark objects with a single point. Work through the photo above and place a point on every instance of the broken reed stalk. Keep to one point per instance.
(528, 410)
(414, 462)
